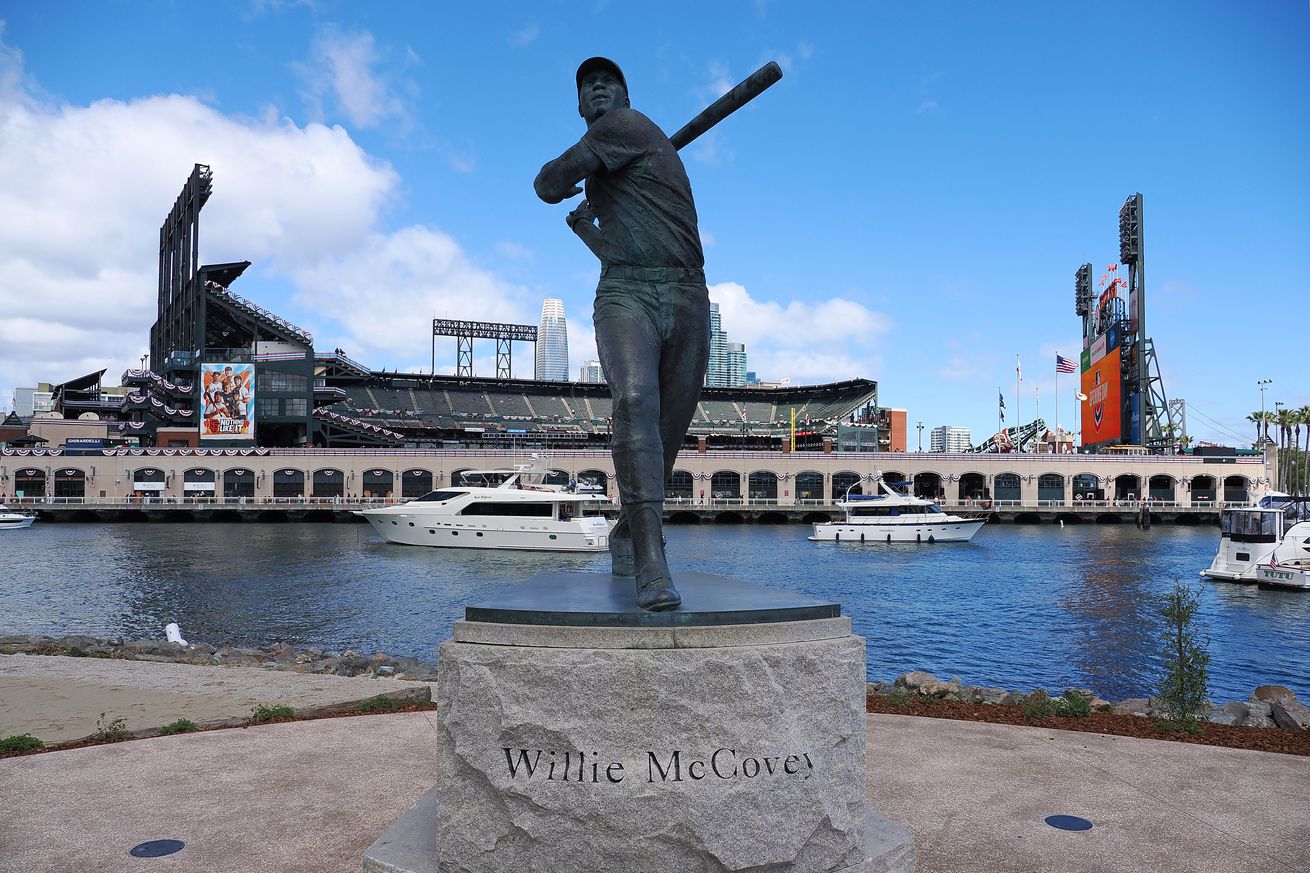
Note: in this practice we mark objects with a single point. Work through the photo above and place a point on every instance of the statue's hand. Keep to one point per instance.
(581, 213)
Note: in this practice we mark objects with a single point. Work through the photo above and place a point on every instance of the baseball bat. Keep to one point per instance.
(751, 87)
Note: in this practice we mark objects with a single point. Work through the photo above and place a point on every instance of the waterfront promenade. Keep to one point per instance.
(313, 795)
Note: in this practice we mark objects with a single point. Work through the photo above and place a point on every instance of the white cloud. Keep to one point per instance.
(525, 35)
(83, 190)
(345, 67)
(926, 107)
(514, 251)
(821, 341)
(386, 289)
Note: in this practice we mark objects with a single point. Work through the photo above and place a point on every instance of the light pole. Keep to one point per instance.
(921, 437)
(1263, 383)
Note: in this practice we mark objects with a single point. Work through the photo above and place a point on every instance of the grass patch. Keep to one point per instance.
(1038, 705)
(1072, 705)
(20, 743)
(382, 703)
(181, 726)
(264, 713)
(111, 731)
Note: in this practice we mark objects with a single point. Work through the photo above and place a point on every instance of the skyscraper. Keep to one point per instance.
(949, 438)
(592, 373)
(552, 362)
(727, 367)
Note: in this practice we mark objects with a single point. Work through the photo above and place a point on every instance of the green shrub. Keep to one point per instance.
(1073, 705)
(20, 743)
(262, 713)
(900, 697)
(382, 703)
(181, 726)
(1038, 705)
(1183, 689)
(111, 730)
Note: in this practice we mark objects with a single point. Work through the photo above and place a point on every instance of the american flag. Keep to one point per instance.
(1063, 364)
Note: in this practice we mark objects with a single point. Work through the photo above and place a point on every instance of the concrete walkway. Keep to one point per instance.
(312, 796)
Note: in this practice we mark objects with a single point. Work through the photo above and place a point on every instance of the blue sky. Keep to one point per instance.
(909, 204)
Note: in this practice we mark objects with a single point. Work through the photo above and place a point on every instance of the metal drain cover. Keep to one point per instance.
(157, 848)
(1068, 822)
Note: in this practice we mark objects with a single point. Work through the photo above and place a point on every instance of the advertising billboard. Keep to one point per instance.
(227, 400)
(1101, 413)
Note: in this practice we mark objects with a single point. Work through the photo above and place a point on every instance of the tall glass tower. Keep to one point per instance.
(552, 363)
(727, 367)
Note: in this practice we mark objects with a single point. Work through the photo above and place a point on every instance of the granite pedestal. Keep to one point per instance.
(578, 733)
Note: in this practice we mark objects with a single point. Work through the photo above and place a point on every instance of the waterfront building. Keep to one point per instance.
(592, 373)
(949, 438)
(552, 361)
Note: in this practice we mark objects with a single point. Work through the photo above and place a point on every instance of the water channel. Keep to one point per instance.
(1020, 607)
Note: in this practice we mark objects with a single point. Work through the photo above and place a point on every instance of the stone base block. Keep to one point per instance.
(410, 845)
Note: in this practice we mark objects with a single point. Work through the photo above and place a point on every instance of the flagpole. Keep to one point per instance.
(1059, 443)
(1018, 402)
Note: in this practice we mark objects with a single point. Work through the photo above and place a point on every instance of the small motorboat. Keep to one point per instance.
(11, 520)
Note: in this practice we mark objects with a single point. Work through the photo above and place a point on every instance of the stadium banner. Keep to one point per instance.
(1101, 413)
(1085, 360)
(1098, 349)
(227, 399)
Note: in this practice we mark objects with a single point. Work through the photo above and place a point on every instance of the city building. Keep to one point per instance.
(592, 374)
(28, 402)
(727, 365)
(552, 363)
(950, 438)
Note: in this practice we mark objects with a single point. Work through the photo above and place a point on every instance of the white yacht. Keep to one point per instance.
(887, 516)
(10, 520)
(497, 509)
(1275, 531)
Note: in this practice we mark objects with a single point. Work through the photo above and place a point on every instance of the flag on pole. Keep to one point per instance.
(1002, 398)
(1018, 371)
(1063, 364)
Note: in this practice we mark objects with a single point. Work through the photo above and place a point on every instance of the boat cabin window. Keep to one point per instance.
(517, 509)
(1256, 527)
(438, 496)
(864, 511)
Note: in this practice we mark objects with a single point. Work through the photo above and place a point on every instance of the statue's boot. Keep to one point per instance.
(622, 562)
(655, 589)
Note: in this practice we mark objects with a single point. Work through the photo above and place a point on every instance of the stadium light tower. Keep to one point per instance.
(921, 437)
(1263, 383)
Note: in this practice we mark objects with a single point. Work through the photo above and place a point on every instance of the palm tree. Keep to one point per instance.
(1304, 412)
(1284, 421)
(1258, 418)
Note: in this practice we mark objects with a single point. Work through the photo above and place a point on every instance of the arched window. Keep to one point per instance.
(1127, 487)
(288, 483)
(416, 483)
(1006, 486)
(377, 484)
(199, 483)
(329, 483)
(594, 482)
(1236, 489)
(809, 485)
(238, 483)
(845, 482)
(762, 485)
(1162, 488)
(1203, 488)
(679, 486)
(1086, 486)
(1050, 486)
(70, 482)
(726, 484)
(927, 485)
(29, 483)
(973, 486)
